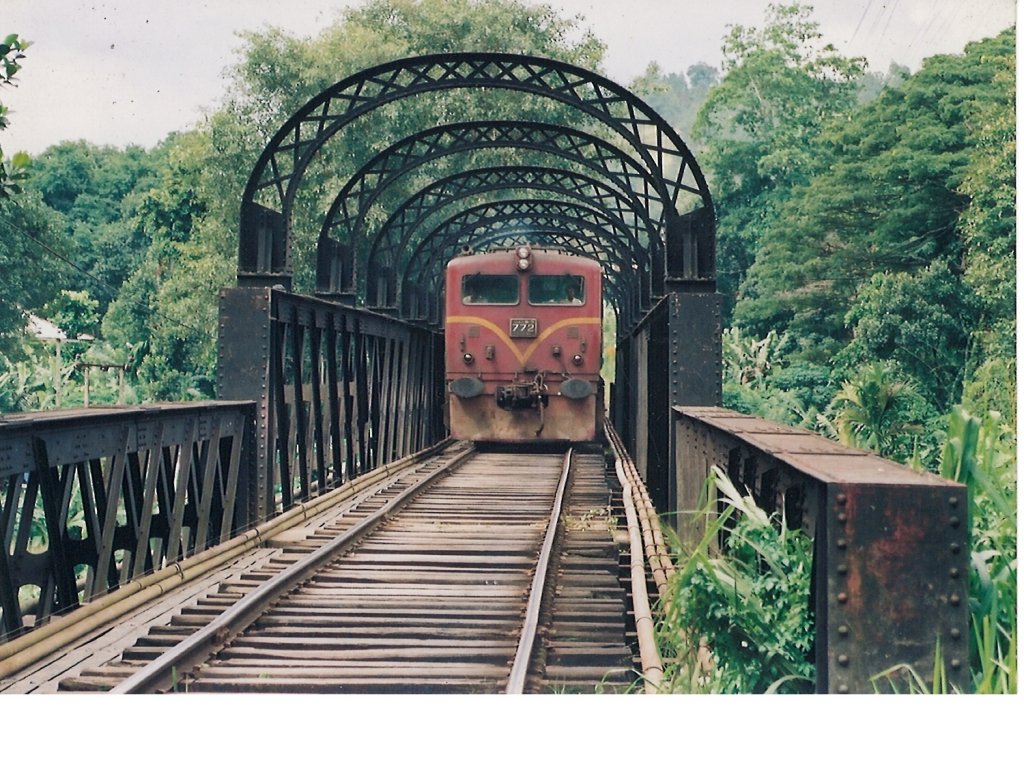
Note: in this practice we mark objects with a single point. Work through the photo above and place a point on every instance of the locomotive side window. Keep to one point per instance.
(556, 289)
(490, 289)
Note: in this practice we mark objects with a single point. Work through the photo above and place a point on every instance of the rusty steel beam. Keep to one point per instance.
(890, 544)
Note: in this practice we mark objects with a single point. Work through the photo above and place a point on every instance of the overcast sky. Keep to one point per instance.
(131, 71)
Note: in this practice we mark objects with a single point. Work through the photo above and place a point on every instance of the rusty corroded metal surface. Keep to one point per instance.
(891, 543)
(340, 391)
(895, 563)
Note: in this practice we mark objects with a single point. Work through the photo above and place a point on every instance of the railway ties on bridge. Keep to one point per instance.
(431, 600)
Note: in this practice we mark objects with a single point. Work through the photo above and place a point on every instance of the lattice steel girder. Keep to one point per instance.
(153, 483)
(891, 545)
(347, 213)
(339, 390)
(394, 236)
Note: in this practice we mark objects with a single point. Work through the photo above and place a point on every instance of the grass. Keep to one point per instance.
(736, 616)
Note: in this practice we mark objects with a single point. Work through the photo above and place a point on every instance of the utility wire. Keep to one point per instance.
(862, 17)
(113, 292)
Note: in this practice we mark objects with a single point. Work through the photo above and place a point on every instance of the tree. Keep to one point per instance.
(12, 51)
(166, 310)
(97, 191)
(30, 275)
(675, 96)
(918, 320)
(74, 312)
(880, 411)
(988, 229)
(888, 197)
(781, 85)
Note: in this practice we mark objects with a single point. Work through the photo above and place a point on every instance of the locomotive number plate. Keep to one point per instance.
(522, 327)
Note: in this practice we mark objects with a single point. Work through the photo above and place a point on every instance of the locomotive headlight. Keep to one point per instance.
(577, 359)
(468, 358)
(523, 255)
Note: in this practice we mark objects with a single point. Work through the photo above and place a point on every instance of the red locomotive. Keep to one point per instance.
(523, 346)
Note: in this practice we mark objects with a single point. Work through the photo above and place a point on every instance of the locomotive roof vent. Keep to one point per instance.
(523, 256)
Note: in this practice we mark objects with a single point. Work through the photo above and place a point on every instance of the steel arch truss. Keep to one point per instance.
(421, 300)
(393, 241)
(606, 239)
(463, 229)
(264, 253)
(341, 249)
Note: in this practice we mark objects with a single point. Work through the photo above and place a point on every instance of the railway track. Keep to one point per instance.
(471, 572)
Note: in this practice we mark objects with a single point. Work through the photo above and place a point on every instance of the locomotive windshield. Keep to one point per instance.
(490, 289)
(556, 289)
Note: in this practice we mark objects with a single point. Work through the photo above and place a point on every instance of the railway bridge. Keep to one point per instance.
(330, 374)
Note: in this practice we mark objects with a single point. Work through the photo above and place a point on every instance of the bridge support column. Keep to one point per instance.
(674, 358)
(694, 366)
(243, 373)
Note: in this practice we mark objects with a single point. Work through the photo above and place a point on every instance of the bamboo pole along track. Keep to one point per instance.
(433, 599)
(644, 538)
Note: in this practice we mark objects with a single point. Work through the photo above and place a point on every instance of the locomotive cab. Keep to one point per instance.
(523, 346)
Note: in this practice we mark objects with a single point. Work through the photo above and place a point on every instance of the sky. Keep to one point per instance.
(131, 71)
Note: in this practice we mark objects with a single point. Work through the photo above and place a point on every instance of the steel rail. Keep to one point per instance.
(198, 647)
(524, 651)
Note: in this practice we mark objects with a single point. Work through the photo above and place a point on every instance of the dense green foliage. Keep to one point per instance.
(747, 598)
(780, 87)
(12, 51)
(675, 96)
(898, 245)
(981, 453)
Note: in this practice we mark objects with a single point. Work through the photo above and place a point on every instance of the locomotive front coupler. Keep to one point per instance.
(523, 395)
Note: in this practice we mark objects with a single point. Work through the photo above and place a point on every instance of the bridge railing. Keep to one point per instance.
(890, 544)
(339, 390)
(91, 498)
